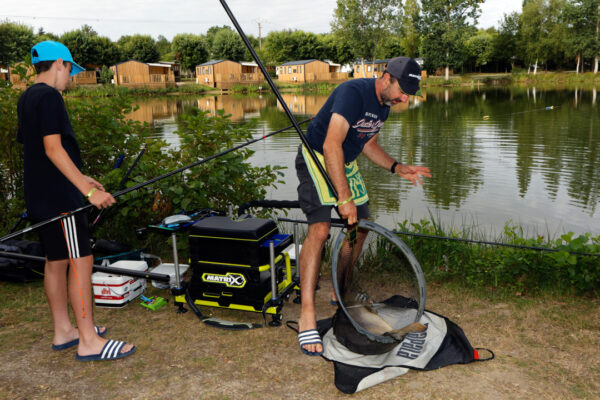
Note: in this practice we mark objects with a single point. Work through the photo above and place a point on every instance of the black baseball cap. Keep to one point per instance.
(408, 73)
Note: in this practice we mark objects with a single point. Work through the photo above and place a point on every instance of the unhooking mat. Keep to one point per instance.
(442, 343)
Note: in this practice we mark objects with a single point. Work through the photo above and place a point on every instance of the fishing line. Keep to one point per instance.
(547, 108)
(149, 182)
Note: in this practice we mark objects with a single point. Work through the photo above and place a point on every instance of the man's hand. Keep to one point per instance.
(348, 212)
(413, 173)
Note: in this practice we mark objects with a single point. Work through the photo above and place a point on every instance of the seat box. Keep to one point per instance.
(111, 290)
(223, 240)
(227, 284)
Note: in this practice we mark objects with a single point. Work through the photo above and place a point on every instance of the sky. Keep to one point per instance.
(115, 18)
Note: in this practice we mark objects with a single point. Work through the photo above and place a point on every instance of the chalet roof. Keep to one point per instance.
(159, 65)
(213, 62)
(367, 62)
(249, 63)
(332, 63)
(300, 62)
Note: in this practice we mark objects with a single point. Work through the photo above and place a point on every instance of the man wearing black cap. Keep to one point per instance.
(347, 125)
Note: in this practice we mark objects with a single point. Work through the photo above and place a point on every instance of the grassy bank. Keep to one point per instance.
(546, 347)
(111, 90)
(520, 77)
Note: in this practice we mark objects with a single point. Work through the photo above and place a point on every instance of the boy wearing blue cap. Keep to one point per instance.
(54, 184)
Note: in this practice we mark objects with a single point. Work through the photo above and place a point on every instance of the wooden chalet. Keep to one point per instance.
(224, 74)
(3, 72)
(134, 73)
(15, 78)
(310, 71)
(373, 69)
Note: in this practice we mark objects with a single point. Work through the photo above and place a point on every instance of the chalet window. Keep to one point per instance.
(294, 70)
(358, 68)
(368, 68)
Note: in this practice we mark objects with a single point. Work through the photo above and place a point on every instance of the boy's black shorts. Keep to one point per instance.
(68, 237)
(309, 198)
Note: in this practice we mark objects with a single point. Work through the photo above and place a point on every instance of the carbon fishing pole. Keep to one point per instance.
(278, 95)
(149, 182)
(339, 224)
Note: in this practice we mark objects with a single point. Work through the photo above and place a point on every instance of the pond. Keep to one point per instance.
(498, 154)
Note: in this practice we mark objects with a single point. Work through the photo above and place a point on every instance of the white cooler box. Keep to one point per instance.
(117, 290)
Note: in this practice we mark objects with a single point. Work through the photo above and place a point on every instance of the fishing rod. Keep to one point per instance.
(339, 224)
(278, 95)
(149, 182)
(474, 241)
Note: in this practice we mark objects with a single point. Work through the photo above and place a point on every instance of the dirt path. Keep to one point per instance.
(546, 348)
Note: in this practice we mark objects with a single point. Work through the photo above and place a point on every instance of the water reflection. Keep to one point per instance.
(527, 154)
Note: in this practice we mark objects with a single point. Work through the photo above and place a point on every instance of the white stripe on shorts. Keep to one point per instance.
(71, 236)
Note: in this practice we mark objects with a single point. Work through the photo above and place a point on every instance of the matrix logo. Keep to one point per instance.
(231, 279)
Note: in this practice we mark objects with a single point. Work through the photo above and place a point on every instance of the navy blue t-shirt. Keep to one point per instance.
(357, 102)
(41, 111)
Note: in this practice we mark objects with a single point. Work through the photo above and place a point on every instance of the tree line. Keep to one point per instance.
(552, 34)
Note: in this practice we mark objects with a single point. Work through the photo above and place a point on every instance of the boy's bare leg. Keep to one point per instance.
(80, 289)
(310, 263)
(55, 285)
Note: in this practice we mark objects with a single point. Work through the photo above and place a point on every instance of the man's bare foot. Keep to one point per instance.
(305, 323)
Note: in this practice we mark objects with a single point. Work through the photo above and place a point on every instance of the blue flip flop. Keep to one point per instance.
(310, 336)
(110, 351)
(75, 342)
(334, 303)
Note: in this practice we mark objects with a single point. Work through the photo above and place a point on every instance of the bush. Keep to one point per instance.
(508, 268)
(104, 133)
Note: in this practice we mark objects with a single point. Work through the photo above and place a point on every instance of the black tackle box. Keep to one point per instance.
(242, 288)
(222, 240)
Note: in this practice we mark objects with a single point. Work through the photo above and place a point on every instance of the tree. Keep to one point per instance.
(506, 44)
(444, 27)
(138, 47)
(335, 50)
(543, 31)
(164, 48)
(280, 46)
(42, 36)
(409, 37)
(15, 43)
(582, 18)
(365, 24)
(228, 45)
(190, 50)
(210, 35)
(480, 48)
(83, 46)
(89, 49)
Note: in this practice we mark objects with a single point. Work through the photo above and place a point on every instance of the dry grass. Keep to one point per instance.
(546, 348)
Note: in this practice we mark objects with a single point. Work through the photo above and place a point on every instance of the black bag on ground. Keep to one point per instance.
(443, 343)
(12, 269)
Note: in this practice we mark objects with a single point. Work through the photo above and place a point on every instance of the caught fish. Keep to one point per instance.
(368, 318)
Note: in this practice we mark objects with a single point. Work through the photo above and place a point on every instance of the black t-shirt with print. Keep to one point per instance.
(41, 111)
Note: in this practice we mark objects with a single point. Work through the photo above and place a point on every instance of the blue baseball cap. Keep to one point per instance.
(52, 51)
